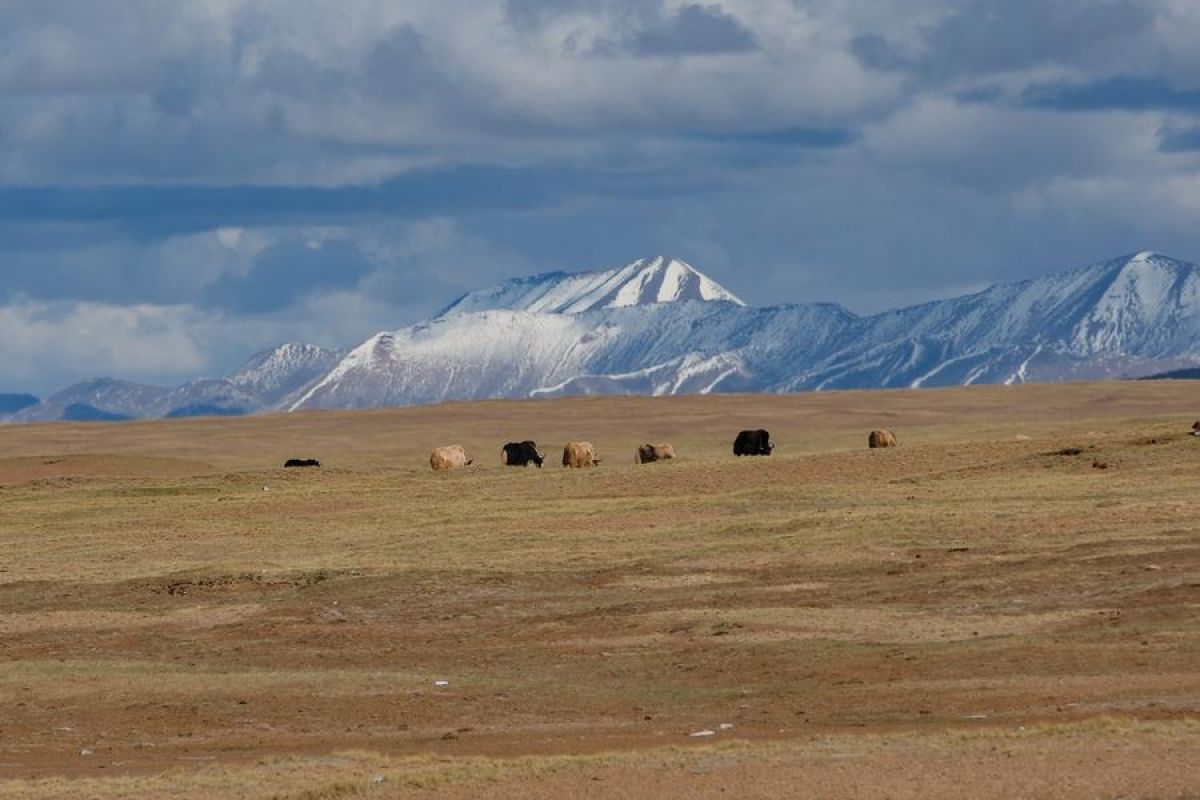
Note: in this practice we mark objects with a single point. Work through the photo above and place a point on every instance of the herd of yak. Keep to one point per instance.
(577, 455)
(583, 454)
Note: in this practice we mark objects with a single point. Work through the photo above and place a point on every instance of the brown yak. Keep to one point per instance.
(654, 452)
(882, 439)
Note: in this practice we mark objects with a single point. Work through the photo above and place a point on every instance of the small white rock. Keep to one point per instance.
(441, 683)
(703, 733)
(85, 752)
(725, 726)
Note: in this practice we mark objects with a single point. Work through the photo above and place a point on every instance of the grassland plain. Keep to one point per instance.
(1008, 604)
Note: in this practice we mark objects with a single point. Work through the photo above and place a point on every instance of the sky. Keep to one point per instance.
(182, 184)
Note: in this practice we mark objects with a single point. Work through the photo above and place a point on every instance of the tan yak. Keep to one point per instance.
(654, 452)
(579, 454)
(882, 439)
(450, 457)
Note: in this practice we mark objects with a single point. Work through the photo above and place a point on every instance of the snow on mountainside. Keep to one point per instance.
(276, 373)
(594, 334)
(656, 349)
(657, 326)
(643, 282)
(1127, 316)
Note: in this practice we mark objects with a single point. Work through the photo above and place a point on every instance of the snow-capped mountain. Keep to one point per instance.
(644, 282)
(1124, 317)
(658, 326)
(654, 349)
(275, 374)
(627, 331)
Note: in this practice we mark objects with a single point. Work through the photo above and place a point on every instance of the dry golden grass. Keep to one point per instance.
(1122, 760)
(171, 597)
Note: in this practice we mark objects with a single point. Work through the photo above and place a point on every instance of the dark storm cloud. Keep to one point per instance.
(982, 36)
(1179, 140)
(290, 72)
(645, 28)
(980, 94)
(421, 193)
(529, 14)
(1117, 93)
(287, 272)
(820, 138)
(693, 30)
(400, 66)
(526, 14)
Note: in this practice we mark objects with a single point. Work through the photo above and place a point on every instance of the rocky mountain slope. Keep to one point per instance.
(658, 326)
(618, 332)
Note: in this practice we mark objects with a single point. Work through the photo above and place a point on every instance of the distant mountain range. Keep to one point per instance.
(266, 382)
(658, 326)
(12, 403)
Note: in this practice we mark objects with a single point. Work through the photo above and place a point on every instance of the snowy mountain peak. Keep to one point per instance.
(280, 371)
(1148, 300)
(1151, 277)
(1149, 261)
(647, 281)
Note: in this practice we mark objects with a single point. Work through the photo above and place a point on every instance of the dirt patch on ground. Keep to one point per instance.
(27, 469)
(677, 581)
(98, 621)
(878, 625)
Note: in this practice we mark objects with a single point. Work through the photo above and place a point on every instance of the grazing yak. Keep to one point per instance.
(519, 454)
(449, 457)
(881, 439)
(654, 452)
(301, 462)
(753, 443)
(579, 454)
(1196, 429)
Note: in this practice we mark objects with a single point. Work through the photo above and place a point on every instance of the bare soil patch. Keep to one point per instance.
(62, 468)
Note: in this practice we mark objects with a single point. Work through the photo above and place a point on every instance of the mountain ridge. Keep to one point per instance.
(658, 279)
(1139, 312)
(659, 326)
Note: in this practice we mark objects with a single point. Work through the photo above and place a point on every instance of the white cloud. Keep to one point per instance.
(40, 342)
(230, 238)
(272, 91)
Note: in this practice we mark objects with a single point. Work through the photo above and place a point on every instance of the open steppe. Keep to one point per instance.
(1006, 605)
